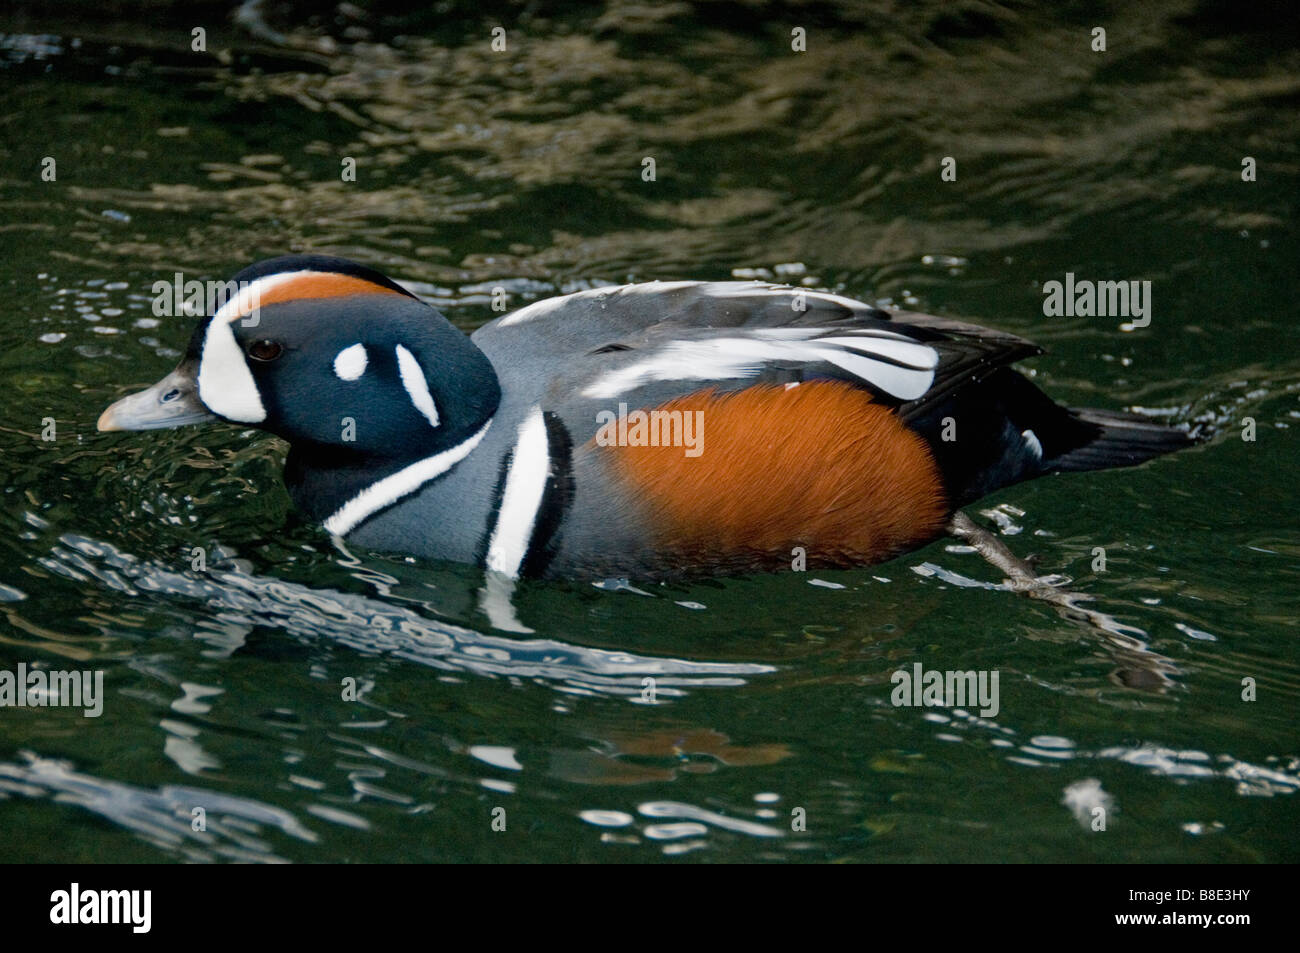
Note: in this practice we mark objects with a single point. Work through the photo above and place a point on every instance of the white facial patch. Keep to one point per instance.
(350, 363)
(226, 385)
(417, 388)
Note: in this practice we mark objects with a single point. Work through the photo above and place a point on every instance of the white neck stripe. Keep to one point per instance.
(402, 483)
(522, 497)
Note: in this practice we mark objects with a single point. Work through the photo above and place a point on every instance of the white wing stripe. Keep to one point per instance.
(917, 355)
(902, 382)
(803, 334)
(731, 358)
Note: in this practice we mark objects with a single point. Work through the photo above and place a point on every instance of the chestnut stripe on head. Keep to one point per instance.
(296, 286)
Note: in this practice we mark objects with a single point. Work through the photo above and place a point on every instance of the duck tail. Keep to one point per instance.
(1120, 439)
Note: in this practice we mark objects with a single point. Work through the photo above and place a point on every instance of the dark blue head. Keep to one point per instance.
(330, 355)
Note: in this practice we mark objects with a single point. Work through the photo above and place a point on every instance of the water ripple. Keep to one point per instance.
(238, 601)
(165, 816)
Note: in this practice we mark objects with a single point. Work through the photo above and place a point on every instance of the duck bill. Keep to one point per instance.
(172, 402)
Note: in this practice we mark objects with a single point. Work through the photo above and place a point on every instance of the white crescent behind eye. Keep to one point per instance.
(417, 388)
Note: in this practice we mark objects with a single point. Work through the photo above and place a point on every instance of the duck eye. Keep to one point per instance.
(265, 350)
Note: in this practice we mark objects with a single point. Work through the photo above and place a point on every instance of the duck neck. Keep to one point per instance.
(343, 491)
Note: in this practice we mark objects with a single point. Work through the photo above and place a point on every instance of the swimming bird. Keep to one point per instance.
(648, 430)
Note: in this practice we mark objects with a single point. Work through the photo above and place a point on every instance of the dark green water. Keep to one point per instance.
(523, 169)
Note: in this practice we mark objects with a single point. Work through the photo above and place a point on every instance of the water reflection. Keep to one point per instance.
(237, 602)
(168, 817)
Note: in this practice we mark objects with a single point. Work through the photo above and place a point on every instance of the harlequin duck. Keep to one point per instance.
(649, 430)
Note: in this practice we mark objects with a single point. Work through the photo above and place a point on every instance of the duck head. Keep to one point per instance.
(354, 371)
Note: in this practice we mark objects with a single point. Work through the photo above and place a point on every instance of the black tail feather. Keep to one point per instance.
(1007, 431)
(1120, 440)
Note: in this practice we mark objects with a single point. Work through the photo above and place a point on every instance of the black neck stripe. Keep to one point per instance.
(557, 497)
